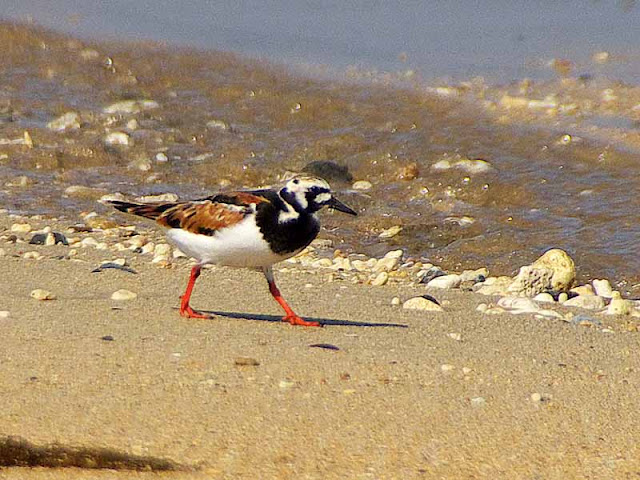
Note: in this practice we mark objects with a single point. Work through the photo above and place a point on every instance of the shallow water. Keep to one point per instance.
(500, 40)
(540, 190)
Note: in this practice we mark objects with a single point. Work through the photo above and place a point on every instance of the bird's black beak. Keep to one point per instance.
(336, 204)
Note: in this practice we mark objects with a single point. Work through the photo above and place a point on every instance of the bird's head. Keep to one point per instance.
(310, 194)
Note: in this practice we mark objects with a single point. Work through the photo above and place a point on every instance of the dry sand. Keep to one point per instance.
(381, 406)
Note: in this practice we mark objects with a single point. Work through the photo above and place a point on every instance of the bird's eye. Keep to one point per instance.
(296, 181)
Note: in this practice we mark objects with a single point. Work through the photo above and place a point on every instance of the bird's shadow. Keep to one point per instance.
(321, 321)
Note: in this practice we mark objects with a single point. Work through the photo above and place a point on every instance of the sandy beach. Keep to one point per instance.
(404, 394)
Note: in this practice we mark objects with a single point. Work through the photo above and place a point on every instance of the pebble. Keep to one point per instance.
(519, 304)
(386, 264)
(162, 249)
(455, 336)
(381, 279)
(286, 384)
(362, 185)
(395, 301)
(21, 228)
(479, 275)
(422, 303)
(478, 401)
(40, 294)
(494, 286)
(161, 157)
(122, 295)
(217, 125)
(426, 276)
(68, 121)
(544, 297)
(390, 232)
(4, 313)
(447, 281)
(592, 302)
(131, 106)
(583, 290)
(446, 367)
(148, 248)
(603, 288)
(117, 138)
(32, 256)
(536, 397)
(618, 305)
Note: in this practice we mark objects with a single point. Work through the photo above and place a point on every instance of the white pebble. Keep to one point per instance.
(121, 295)
(395, 301)
(536, 397)
(390, 232)
(68, 121)
(362, 185)
(455, 336)
(421, 303)
(446, 367)
(117, 138)
(446, 281)
(32, 255)
(4, 313)
(381, 279)
(603, 288)
(592, 302)
(40, 294)
(521, 304)
(544, 297)
(478, 401)
(131, 106)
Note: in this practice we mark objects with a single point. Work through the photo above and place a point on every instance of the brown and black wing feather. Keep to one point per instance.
(204, 217)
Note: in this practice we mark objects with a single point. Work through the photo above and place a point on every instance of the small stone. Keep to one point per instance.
(618, 305)
(455, 336)
(161, 157)
(68, 121)
(217, 125)
(117, 138)
(362, 185)
(478, 401)
(395, 301)
(408, 172)
(286, 384)
(4, 314)
(475, 276)
(422, 303)
(381, 279)
(592, 302)
(466, 370)
(544, 297)
(519, 304)
(162, 249)
(148, 248)
(583, 290)
(601, 57)
(446, 367)
(531, 280)
(21, 228)
(445, 282)
(386, 264)
(123, 295)
(563, 297)
(131, 106)
(40, 294)
(494, 286)
(161, 260)
(536, 397)
(328, 170)
(603, 288)
(32, 256)
(246, 362)
(390, 232)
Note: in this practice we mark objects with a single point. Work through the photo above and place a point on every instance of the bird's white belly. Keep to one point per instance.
(240, 245)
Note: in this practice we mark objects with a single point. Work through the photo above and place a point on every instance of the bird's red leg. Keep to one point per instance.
(185, 309)
(290, 315)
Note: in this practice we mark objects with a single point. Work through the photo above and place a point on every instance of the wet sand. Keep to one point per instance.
(85, 372)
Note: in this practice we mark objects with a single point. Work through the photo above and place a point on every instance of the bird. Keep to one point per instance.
(247, 229)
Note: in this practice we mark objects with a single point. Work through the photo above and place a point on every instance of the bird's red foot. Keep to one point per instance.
(296, 320)
(189, 312)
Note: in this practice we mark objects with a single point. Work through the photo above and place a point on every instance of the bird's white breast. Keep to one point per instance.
(239, 245)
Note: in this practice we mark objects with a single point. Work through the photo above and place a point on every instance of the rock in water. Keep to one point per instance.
(328, 170)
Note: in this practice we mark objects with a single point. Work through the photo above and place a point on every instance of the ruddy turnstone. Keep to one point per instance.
(251, 229)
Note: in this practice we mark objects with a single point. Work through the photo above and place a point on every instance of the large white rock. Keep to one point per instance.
(422, 303)
(445, 281)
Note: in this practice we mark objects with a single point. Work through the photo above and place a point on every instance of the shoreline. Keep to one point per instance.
(459, 392)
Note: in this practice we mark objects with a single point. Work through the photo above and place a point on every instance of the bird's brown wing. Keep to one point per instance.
(204, 217)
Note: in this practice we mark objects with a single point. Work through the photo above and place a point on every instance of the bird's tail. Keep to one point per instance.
(147, 210)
